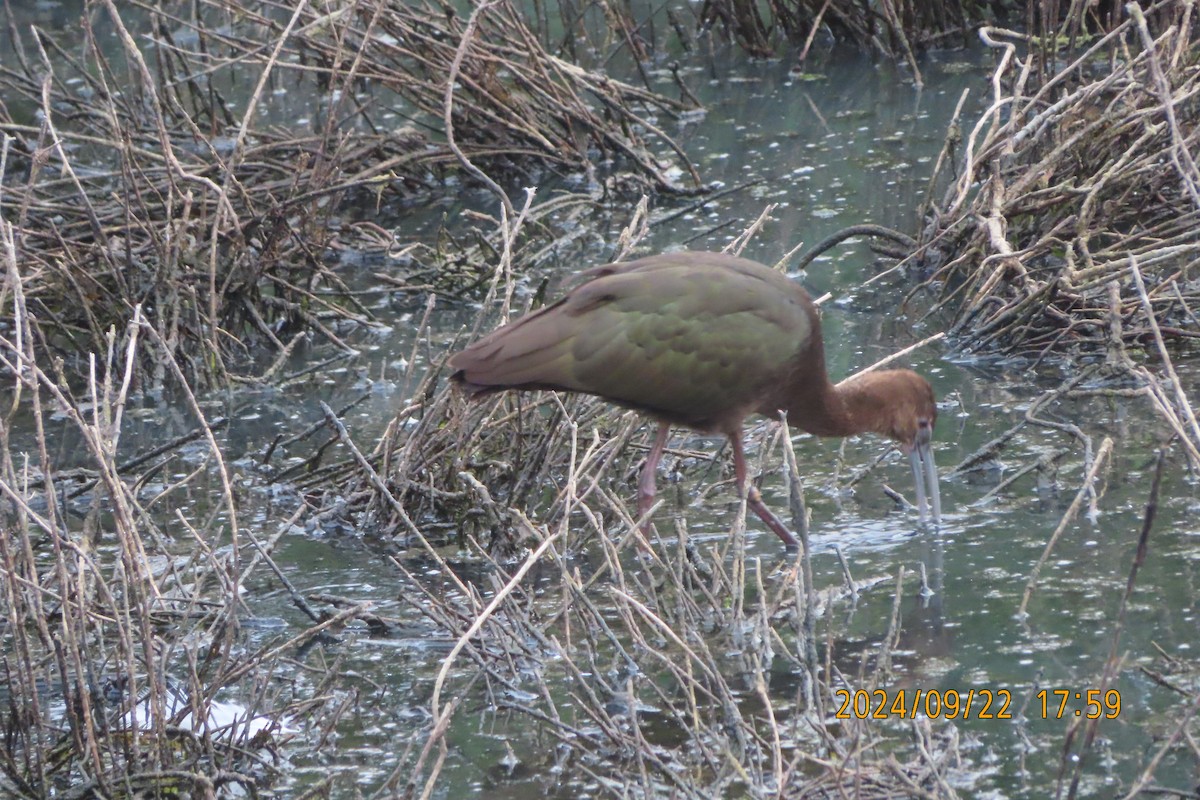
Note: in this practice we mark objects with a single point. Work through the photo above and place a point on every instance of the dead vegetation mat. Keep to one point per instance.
(1078, 176)
(145, 169)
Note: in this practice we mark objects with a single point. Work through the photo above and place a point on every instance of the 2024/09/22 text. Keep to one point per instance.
(931, 703)
(973, 703)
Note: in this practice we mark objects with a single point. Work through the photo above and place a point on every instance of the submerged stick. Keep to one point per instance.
(1084, 492)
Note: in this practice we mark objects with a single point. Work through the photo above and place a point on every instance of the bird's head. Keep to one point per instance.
(900, 405)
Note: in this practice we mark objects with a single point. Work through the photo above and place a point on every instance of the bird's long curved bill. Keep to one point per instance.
(925, 477)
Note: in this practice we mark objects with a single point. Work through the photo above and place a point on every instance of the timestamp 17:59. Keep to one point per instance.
(1096, 704)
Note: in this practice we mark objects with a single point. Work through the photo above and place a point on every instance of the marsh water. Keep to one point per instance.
(848, 141)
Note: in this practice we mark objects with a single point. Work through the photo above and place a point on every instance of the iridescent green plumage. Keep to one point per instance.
(702, 340)
(686, 337)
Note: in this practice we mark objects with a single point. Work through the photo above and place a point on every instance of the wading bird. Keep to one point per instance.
(703, 340)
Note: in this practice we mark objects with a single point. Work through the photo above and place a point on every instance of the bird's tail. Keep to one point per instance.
(531, 353)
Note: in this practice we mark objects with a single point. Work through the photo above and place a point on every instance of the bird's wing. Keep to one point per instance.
(690, 340)
(532, 352)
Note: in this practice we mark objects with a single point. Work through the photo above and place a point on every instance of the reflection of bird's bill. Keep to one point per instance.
(925, 475)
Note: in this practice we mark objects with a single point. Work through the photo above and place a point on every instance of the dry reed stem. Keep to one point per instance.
(440, 715)
(1086, 491)
(898, 29)
(1191, 437)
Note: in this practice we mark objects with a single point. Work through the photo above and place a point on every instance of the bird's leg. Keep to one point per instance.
(647, 481)
(753, 499)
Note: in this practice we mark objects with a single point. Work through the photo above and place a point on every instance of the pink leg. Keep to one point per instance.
(647, 485)
(753, 498)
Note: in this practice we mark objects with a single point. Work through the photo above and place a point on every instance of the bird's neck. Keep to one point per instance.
(851, 407)
(824, 410)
